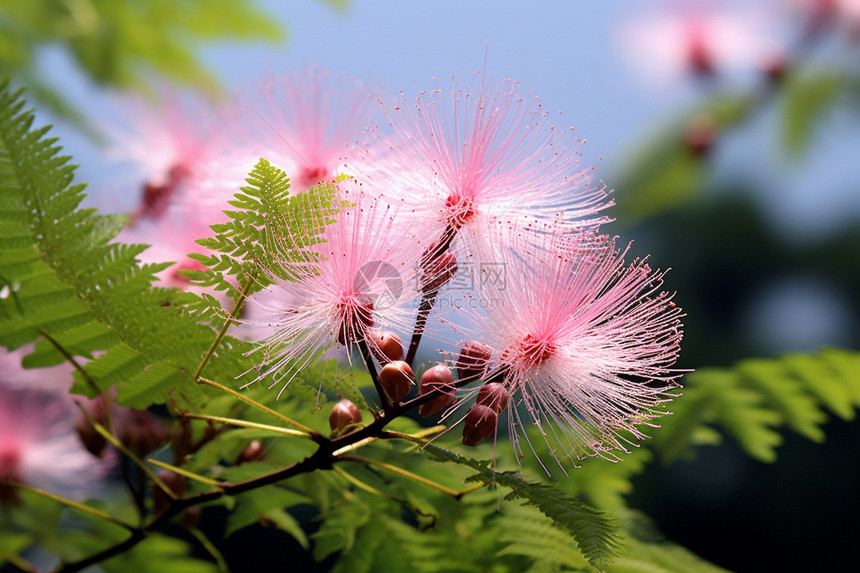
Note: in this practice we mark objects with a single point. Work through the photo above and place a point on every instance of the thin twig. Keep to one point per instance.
(127, 452)
(70, 503)
(258, 406)
(222, 332)
(414, 477)
(374, 376)
(211, 549)
(246, 424)
(184, 472)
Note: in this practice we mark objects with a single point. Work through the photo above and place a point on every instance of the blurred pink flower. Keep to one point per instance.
(169, 143)
(14, 375)
(584, 343)
(39, 446)
(700, 39)
(467, 157)
(820, 13)
(361, 275)
(300, 122)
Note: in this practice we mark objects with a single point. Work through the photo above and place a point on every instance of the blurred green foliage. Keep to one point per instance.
(122, 43)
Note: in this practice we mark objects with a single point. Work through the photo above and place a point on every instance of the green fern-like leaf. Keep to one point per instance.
(63, 280)
(595, 532)
(269, 226)
(752, 400)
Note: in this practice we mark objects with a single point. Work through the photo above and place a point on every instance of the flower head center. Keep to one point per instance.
(459, 209)
(529, 352)
(310, 176)
(355, 317)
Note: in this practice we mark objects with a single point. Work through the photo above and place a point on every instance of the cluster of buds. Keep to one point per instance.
(138, 430)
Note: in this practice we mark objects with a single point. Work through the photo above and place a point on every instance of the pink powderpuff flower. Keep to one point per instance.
(467, 157)
(581, 342)
(698, 38)
(359, 276)
(168, 144)
(300, 122)
(173, 147)
(39, 446)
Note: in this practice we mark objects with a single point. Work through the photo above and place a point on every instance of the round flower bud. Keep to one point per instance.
(356, 318)
(175, 482)
(438, 377)
(494, 395)
(343, 414)
(252, 453)
(473, 359)
(396, 380)
(388, 345)
(94, 442)
(699, 135)
(141, 431)
(480, 424)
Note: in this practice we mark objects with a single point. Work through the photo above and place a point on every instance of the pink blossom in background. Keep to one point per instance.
(821, 13)
(465, 157)
(300, 122)
(360, 277)
(583, 343)
(172, 147)
(39, 446)
(698, 38)
(13, 375)
(167, 142)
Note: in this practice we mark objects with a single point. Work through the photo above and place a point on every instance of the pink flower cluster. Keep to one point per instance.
(462, 175)
(673, 38)
(39, 444)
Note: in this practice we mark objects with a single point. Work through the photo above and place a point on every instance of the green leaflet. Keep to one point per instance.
(754, 398)
(69, 283)
(62, 279)
(595, 532)
(807, 98)
(270, 226)
(121, 43)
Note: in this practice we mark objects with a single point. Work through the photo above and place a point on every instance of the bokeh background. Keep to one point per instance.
(739, 170)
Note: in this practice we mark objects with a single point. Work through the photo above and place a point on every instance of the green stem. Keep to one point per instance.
(127, 452)
(69, 503)
(246, 424)
(222, 332)
(414, 477)
(211, 549)
(258, 406)
(184, 472)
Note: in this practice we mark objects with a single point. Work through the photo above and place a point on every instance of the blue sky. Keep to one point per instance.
(565, 52)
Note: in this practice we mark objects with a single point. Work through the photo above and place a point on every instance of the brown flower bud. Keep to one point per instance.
(93, 441)
(438, 377)
(252, 453)
(141, 431)
(357, 317)
(388, 345)
(396, 380)
(473, 359)
(175, 482)
(343, 415)
(493, 395)
(699, 135)
(480, 424)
